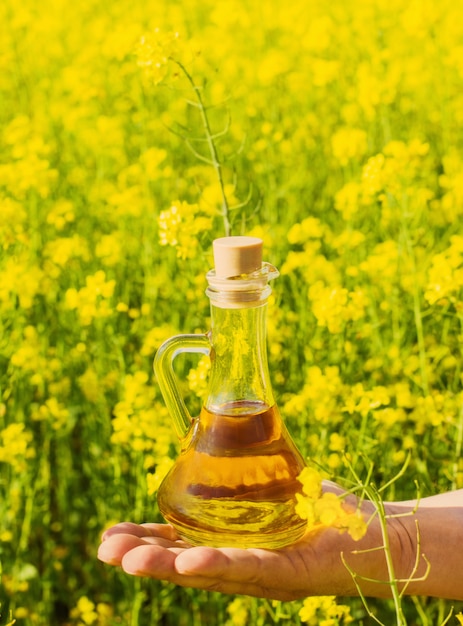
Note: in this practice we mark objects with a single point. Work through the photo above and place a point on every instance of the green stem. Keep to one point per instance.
(212, 147)
(458, 448)
(417, 313)
(374, 496)
(388, 556)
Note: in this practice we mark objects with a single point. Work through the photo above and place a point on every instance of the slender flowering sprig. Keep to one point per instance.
(154, 53)
(210, 138)
(397, 585)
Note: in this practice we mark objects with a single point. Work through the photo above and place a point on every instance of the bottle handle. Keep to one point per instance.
(167, 380)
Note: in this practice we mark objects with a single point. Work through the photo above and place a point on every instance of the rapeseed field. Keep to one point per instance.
(335, 133)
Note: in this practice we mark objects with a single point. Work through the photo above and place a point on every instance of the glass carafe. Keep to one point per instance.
(235, 480)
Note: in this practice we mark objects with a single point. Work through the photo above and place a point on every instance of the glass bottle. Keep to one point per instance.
(235, 480)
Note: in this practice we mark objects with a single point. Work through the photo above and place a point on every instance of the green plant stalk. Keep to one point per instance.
(420, 611)
(215, 161)
(420, 336)
(458, 447)
(375, 497)
(139, 598)
(417, 313)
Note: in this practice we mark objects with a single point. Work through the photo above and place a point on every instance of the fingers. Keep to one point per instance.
(177, 565)
(142, 530)
(276, 574)
(113, 549)
(155, 551)
(151, 560)
(231, 563)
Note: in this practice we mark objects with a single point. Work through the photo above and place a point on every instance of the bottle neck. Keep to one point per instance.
(239, 378)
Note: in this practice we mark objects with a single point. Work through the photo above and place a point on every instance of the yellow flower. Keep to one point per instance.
(61, 214)
(446, 274)
(140, 422)
(91, 301)
(348, 144)
(323, 611)
(211, 202)
(16, 446)
(305, 509)
(110, 249)
(325, 508)
(63, 250)
(198, 377)
(238, 609)
(19, 279)
(333, 305)
(355, 525)
(155, 337)
(348, 199)
(90, 384)
(324, 71)
(85, 611)
(309, 228)
(154, 479)
(311, 482)
(328, 509)
(54, 412)
(373, 175)
(12, 223)
(153, 53)
(179, 227)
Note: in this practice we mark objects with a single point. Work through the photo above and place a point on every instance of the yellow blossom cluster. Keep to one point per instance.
(154, 51)
(198, 377)
(180, 225)
(141, 424)
(136, 421)
(238, 610)
(446, 275)
(89, 613)
(323, 508)
(333, 306)
(16, 446)
(325, 611)
(92, 301)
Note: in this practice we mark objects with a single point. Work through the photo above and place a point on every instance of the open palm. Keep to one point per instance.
(421, 538)
(312, 566)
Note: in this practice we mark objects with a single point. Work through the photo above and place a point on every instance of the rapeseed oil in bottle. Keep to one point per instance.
(235, 480)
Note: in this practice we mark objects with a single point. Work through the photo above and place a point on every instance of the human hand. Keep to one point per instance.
(315, 565)
(421, 541)
(156, 551)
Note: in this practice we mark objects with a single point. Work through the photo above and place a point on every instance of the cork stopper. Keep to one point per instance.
(234, 256)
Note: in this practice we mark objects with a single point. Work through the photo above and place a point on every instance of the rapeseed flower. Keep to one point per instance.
(321, 508)
(16, 446)
(445, 280)
(198, 377)
(92, 301)
(154, 51)
(348, 144)
(333, 306)
(88, 613)
(238, 609)
(180, 226)
(324, 611)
